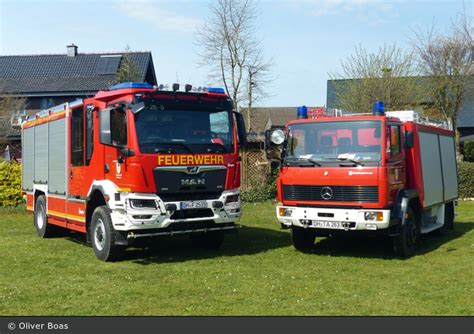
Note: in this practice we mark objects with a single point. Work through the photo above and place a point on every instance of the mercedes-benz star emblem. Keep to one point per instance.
(326, 193)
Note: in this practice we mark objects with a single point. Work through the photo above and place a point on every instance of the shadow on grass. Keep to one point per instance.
(247, 241)
(253, 240)
(382, 247)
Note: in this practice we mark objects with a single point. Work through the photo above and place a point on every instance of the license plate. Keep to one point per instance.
(327, 224)
(193, 205)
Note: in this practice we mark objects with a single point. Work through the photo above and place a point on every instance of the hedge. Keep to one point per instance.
(469, 151)
(10, 184)
(466, 179)
(263, 193)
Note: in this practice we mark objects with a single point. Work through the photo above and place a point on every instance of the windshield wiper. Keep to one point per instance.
(304, 160)
(357, 162)
(216, 147)
(171, 150)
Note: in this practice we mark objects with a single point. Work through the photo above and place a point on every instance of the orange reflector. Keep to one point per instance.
(282, 212)
(379, 216)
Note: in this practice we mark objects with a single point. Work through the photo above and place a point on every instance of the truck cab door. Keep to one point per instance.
(396, 170)
(113, 135)
(77, 191)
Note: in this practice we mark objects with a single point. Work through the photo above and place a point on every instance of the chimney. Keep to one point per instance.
(71, 50)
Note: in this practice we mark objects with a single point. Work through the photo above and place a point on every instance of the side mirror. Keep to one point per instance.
(127, 152)
(274, 140)
(241, 131)
(105, 133)
(409, 139)
(137, 107)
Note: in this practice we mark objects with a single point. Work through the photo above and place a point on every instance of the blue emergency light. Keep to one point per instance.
(124, 85)
(378, 108)
(302, 112)
(216, 90)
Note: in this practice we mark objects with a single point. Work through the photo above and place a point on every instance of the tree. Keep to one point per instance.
(128, 70)
(9, 106)
(229, 48)
(387, 75)
(446, 61)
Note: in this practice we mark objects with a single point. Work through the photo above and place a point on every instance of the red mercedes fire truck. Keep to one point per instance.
(135, 161)
(390, 174)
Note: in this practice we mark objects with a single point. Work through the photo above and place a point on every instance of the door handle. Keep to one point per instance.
(70, 175)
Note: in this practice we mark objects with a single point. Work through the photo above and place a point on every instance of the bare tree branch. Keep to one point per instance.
(227, 46)
(387, 75)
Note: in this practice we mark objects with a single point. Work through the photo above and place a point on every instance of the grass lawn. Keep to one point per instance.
(256, 272)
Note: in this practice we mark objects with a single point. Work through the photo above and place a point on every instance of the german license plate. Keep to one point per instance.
(327, 224)
(193, 205)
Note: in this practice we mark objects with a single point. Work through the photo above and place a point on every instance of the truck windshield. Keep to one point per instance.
(183, 130)
(355, 141)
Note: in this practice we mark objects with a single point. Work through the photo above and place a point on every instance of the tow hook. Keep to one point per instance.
(346, 226)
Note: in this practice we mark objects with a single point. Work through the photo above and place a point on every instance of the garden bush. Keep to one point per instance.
(262, 193)
(469, 151)
(466, 179)
(10, 184)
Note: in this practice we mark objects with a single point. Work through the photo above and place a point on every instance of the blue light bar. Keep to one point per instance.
(131, 85)
(378, 108)
(302, 112)
(216, 90)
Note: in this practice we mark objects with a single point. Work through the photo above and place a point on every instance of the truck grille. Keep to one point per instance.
(331, 193)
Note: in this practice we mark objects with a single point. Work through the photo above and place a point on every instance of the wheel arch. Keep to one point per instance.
(408, 198)
(95, 199)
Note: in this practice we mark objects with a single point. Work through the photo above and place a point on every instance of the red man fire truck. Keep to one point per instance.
(376, 173)
(135, 161)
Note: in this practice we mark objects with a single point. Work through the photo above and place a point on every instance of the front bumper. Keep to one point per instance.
(349, 219)
(166, 214)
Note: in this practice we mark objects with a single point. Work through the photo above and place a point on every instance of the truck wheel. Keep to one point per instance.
(103, 236)
(405, 242)
(43, 228)
(302, 238)
(209, 240)
(449, 216)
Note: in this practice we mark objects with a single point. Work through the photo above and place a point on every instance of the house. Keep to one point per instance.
(51, 79)
(465, 121)
(265, 118)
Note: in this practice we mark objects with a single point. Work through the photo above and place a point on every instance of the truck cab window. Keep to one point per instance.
(118, 127)
(77, 137)
(393, 140)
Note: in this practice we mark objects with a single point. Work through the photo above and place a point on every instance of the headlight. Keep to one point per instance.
(373, 216)
(142, 203)
(231, 199)
(284, 212)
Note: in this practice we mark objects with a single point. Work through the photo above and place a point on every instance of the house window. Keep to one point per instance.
(46, 103)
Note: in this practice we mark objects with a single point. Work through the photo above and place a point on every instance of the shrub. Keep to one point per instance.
(262, 193)
(10, 184)
(469, 151)
(466, 179)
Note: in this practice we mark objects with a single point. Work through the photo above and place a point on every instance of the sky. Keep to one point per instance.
(306, 39)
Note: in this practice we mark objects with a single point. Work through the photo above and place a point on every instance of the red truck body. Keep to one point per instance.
(371, 173)
(97, 153)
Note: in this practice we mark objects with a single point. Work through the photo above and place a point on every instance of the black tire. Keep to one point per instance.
(303, 238)
(405, 243)
(103, 236)
(43, 228)
(449, 216)
(208, 240)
